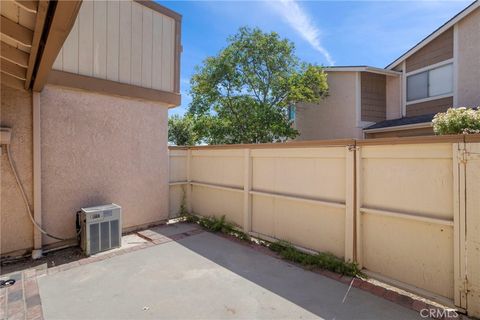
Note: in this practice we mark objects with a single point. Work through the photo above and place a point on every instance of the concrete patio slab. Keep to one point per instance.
(204, 276)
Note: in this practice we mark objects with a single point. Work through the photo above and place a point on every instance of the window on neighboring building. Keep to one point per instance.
(291, 113)
(430, 83)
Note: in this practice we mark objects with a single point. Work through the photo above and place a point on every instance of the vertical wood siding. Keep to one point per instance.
(374, 98)
(121, 41)
(432, 106)
(438, 50)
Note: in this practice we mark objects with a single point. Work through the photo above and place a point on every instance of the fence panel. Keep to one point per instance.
(217, 183)
(299, 195)
(178, 176)
(472, 170)
(405, 205)
(220, 167)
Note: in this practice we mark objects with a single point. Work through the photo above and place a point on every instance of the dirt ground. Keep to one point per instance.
(54, 258)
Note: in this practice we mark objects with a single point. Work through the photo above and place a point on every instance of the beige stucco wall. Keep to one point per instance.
(100, 149)
(15, 226)
(394, 98)
(333, 118)
(469, 60)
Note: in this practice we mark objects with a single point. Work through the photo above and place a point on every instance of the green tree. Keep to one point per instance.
(181, 130)
(242, 95)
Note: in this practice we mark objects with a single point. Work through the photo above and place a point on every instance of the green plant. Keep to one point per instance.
(215, 224)
(242, 94)
(181, 130)
(191, 218)
(457, 121)
(321, 260)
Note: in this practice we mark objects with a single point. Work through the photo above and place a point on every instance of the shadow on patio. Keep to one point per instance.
(203, 275)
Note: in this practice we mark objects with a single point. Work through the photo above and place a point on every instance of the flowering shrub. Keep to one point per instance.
(457, 121)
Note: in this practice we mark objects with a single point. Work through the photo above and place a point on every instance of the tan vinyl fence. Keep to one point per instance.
(399, 207)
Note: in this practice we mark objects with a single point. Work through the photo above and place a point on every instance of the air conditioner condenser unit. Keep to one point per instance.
(101, 228)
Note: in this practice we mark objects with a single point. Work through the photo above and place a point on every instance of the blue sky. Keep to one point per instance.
(324, 32)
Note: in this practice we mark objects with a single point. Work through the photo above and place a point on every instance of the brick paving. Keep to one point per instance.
(22, 300)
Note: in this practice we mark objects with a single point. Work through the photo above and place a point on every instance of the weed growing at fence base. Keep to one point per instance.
(326, 261)
(321, 260)
(215, 224)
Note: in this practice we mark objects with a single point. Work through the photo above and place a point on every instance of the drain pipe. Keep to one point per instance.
(37, 182)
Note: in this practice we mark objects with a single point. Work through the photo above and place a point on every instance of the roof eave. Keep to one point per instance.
(401, 127)
(362, 69)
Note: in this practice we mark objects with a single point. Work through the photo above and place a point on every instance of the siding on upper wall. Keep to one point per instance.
(440, 49)
(394, 98)
(432, 106)
(373, 96)
(121, 41)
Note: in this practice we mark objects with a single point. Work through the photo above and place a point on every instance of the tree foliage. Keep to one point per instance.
(181, 131)
(242, 95)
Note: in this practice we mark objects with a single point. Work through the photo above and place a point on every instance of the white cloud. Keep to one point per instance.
(301, 22)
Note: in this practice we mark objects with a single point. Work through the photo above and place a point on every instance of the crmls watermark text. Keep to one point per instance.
(438, 313)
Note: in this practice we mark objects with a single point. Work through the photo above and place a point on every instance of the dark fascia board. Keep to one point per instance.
(71, 80)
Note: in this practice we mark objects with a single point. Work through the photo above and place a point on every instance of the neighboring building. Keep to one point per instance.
(441, 71)
(85, 91)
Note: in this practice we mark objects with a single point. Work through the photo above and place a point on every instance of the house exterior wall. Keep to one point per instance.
(468, 60)
(440, 49)
(333, 118)
(393, 98)
(122, 41)
(16, 232)
(373, 96)
(432, 106)
(100, 149)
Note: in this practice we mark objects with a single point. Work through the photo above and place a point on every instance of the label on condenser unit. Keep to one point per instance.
(95, 216)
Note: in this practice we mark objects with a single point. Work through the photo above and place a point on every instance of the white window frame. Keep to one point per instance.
(428, 68)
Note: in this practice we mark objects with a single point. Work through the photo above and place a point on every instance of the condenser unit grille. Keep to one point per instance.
(101, 228)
